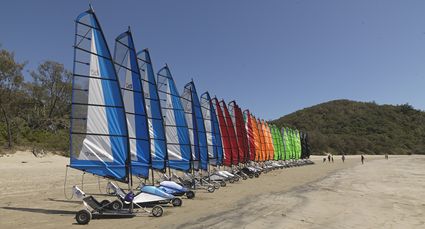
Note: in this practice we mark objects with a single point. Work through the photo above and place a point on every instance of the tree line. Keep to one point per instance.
(34, 111)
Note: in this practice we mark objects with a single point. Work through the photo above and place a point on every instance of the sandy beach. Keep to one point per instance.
(379, 194)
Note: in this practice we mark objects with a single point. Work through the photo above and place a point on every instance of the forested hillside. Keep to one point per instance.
(350, 127)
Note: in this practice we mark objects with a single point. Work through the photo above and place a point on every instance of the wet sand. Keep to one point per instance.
(378, 194)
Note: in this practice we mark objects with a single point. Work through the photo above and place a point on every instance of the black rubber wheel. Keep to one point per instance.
(236, 179)
(157, 211)
(210, 189)
(244, 177)
(216, 185)
(177, 202)
(256, 175)
(83, 217)
(223, 184)
(105, 203)
(190, 194)
(231, 180)
(251, 176)
(116, 205)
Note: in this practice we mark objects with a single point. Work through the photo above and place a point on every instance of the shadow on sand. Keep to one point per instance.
(40, 210)
(65, 201)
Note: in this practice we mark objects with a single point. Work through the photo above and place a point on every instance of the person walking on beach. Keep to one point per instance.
(362, 158)
(386, 156)
(329, 157)
(332, 159)
(324, 159)
(343, 158)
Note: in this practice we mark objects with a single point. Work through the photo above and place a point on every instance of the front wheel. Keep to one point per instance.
(116, 205)
(157, 211)
(216, 185)
(190, 194)
(83, 217)
(105, 203)
(210, 189)
(176, 202)
(231, 180)
(256, 175)
(223, 183)
(251, 176)
(244, 177)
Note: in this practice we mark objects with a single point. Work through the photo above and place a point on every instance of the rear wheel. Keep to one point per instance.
(216, 185)
(231, 180)
(190, 194)
(210, 189)
(244, 177)
(223, 183)
(251, 176)
(83, 217)
(256, 175)
(157, 211)
(116, 205)
(176, 202)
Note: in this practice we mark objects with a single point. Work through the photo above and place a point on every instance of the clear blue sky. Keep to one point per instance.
(273, 57)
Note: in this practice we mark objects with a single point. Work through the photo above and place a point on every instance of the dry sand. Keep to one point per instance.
(379, 194)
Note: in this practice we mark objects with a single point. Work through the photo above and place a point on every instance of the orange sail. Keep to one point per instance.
(270, 142)
(256, 136)
(263, 141)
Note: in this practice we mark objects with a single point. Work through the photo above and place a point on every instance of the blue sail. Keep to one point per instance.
(153, 110)
(212, 128)
(176, 130)
(135, 110)
(195, 122)
(98, 136)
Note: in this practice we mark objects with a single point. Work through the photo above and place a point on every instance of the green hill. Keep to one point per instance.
(350, 127)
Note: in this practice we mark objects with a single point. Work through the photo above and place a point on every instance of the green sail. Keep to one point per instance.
(276, 145)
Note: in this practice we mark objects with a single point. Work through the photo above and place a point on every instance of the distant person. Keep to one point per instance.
(386, 156)
(329, 158)
(332, 159)
(324, 159)
(362, 158)
(343, 158)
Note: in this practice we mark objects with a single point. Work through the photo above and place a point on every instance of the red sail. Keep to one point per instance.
(232, 134)
(227, 147)
(242, 135)
(233, 111)
(262, 140)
